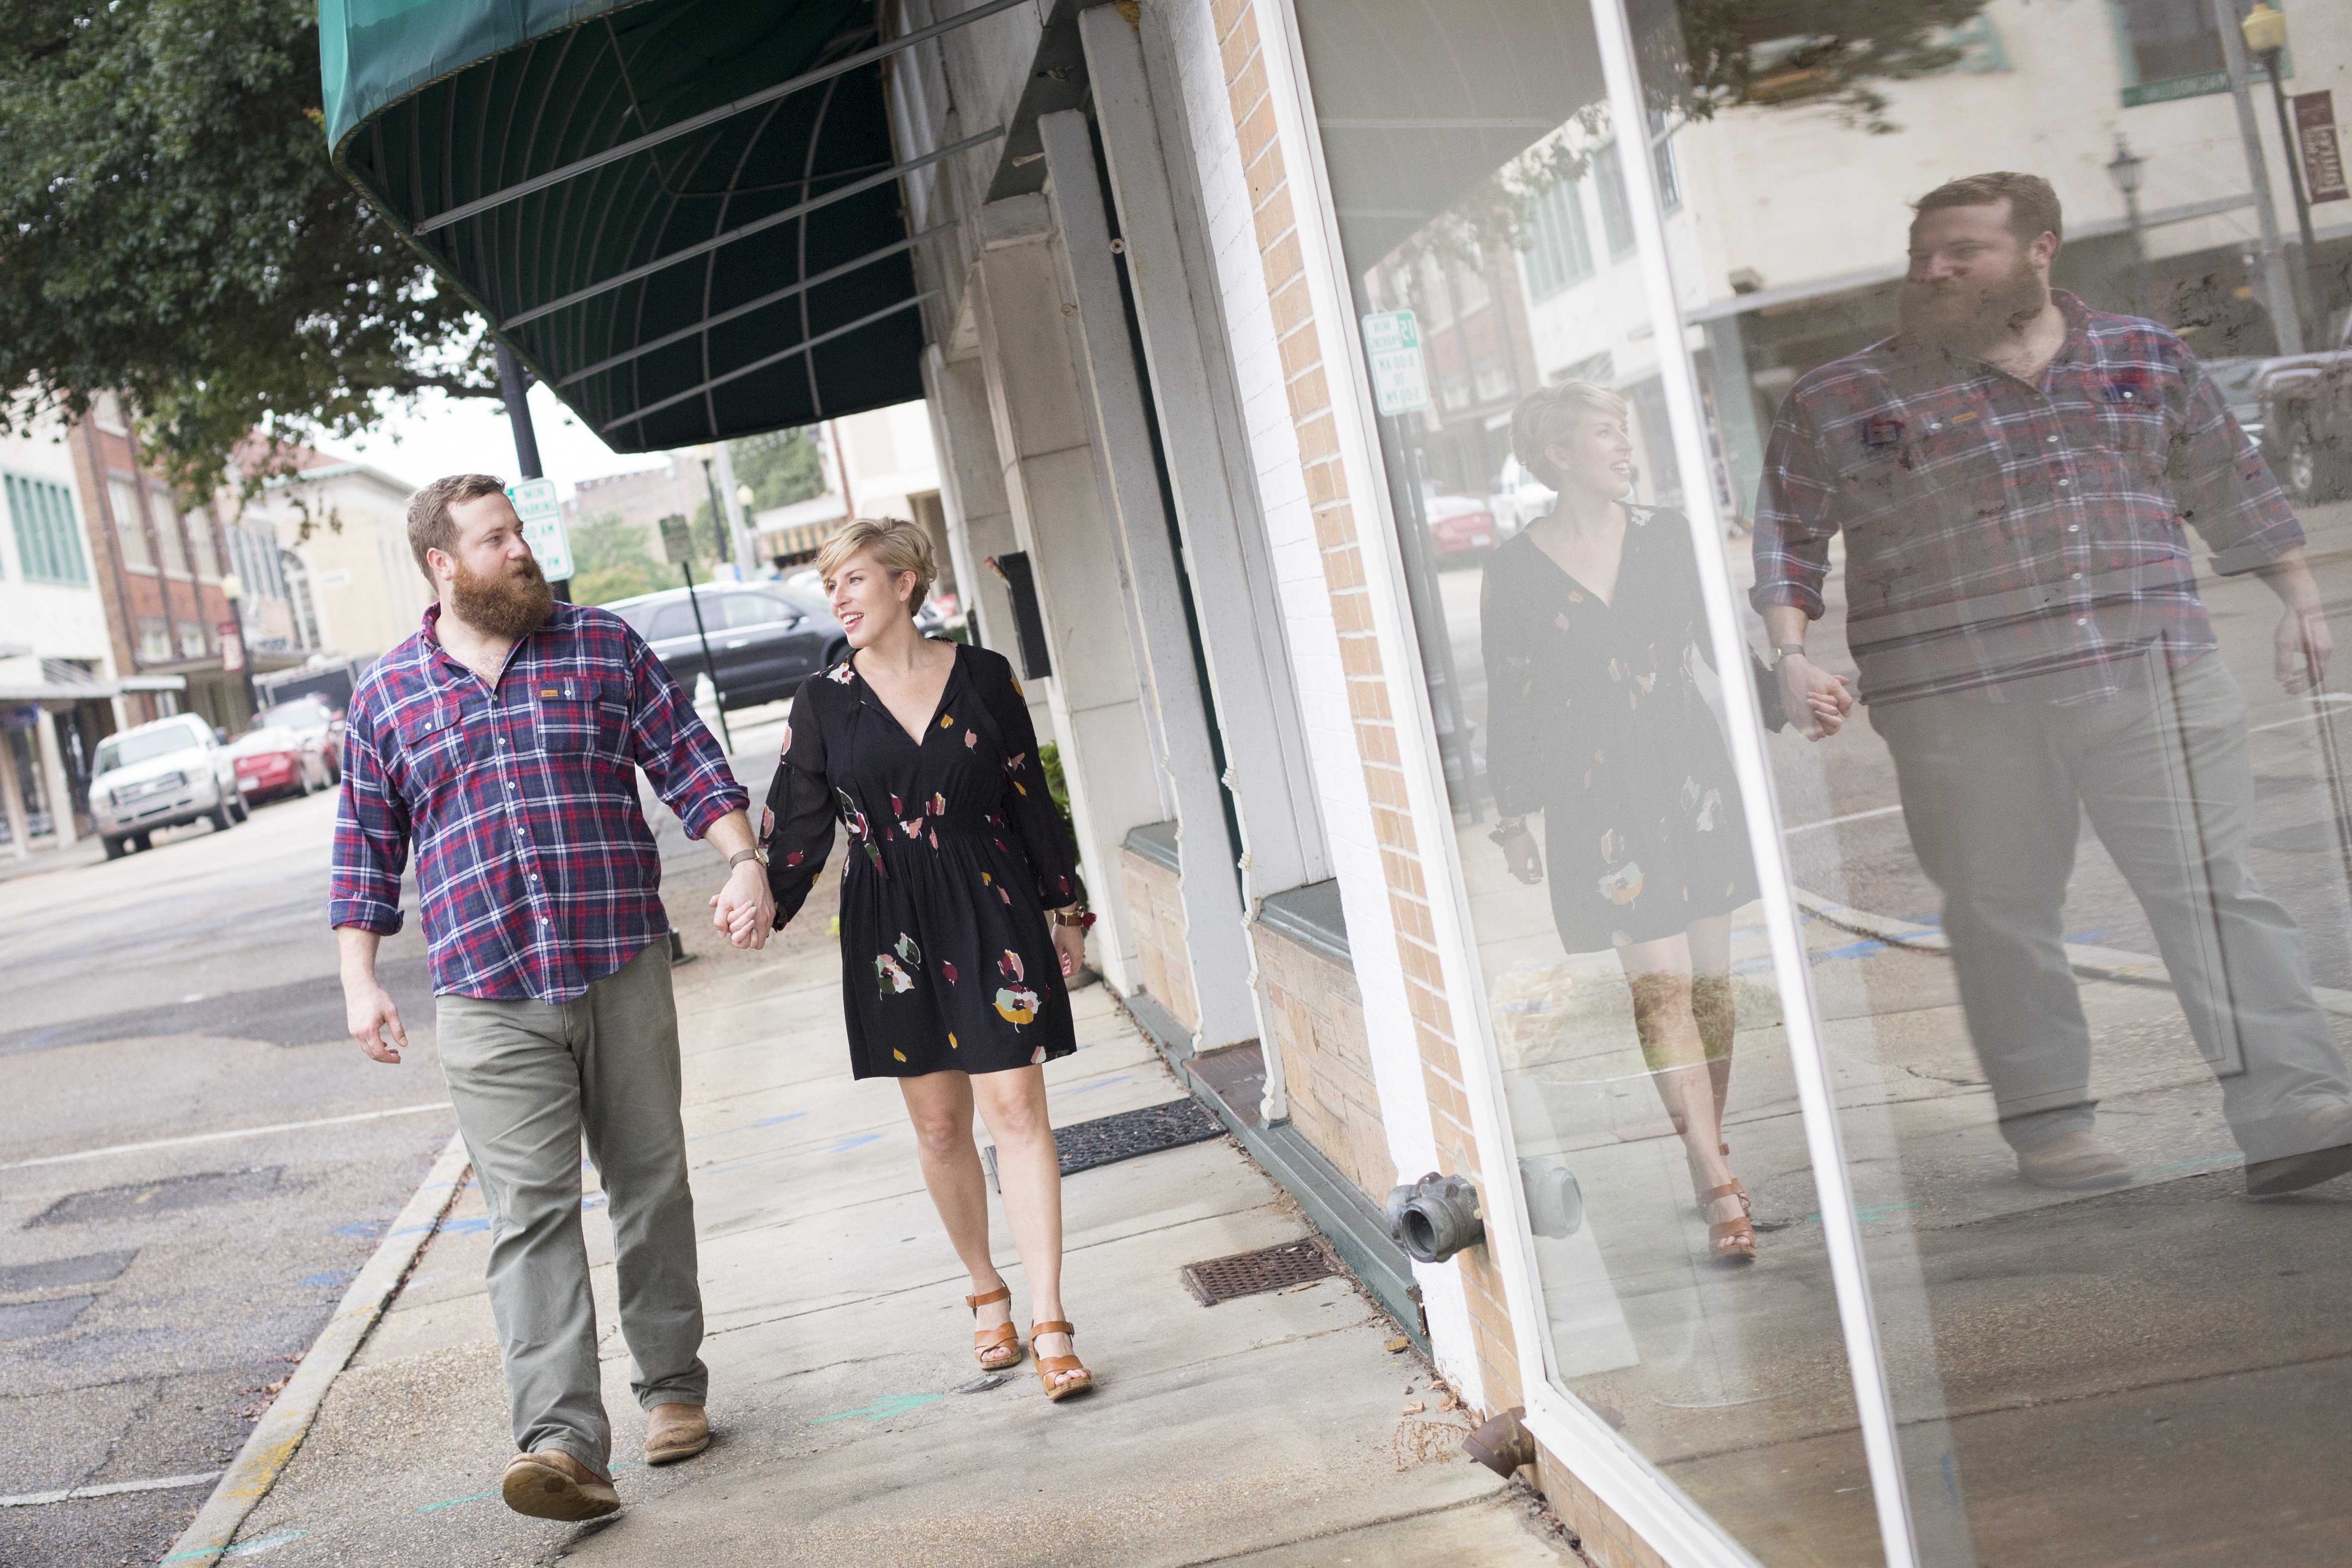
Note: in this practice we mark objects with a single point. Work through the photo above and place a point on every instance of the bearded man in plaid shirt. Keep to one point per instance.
(2015, 476)
(502, 740)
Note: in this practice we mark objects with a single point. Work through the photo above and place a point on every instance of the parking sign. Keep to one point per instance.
(543, 527)
(1392, 348)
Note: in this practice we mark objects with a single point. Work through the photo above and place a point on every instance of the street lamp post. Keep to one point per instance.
(744, 496)
(2265, 32)
(2125, 169)
(718, 513)
(2279, 292)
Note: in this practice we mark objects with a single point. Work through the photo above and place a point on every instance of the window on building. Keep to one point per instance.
(167, 530)
(2170, 50)
(297, 579)
(49, 536)
(1491, 376)
(1470, 291)
(1616, 212)
(199, 523)
(1560, 253)
(1453, 392)
(154, 639)
(130, 525)
(1432, 299)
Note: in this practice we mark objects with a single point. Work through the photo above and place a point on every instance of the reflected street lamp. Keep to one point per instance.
(2285, 319)
(2124, 170)
(2265, 33)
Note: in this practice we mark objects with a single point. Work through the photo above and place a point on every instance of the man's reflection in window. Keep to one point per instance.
(1591, 618)
(2015, 475)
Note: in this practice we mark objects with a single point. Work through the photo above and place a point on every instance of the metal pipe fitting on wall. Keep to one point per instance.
(1555, 1202)
(1503, 1444)
(1435, 1218)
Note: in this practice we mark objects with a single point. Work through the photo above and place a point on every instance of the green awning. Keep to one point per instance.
(677, 264)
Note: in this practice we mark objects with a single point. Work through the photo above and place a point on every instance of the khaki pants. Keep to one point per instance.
(1993, 794)
(529, 1081)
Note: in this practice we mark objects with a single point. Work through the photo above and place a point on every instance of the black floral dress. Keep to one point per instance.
(1594, 718)
(956, 852)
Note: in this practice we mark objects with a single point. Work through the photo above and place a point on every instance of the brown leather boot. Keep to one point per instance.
(551, 1484)
(2074, 1161)
(675, 1432)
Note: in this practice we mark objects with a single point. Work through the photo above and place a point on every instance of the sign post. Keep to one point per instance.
(542, 516)
(678, 543)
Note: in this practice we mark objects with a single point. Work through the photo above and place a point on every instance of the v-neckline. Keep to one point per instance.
(955, 664)
(1625, 551)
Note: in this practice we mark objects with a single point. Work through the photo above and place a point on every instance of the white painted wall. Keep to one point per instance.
(55, 620)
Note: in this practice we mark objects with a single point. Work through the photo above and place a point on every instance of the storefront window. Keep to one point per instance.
(1972, 397)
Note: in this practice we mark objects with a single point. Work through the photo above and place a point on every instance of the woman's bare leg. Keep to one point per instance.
(1659, 973)
(939, 1105)
(1029, 1168)
(1711, 1000)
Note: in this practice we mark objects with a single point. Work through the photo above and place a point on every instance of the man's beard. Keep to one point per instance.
(1964, 319)
(511, 606)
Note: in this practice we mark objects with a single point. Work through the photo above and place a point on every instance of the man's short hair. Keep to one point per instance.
(2032, 205)
(430, 526)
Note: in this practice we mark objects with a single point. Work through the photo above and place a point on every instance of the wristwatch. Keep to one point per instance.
(755, 853)
(1781, 650)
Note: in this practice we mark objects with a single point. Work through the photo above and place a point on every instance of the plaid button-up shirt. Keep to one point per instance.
(2016, 542)
(534, 867)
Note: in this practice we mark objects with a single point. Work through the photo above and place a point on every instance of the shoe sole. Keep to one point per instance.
(542, 1493)
(673, 1453)
(2293, 1172)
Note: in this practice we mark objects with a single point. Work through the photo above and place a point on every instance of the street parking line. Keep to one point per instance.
(109, 1488)
(218, 1137)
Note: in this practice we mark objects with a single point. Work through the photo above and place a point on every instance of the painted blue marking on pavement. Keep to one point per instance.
(882, 1409)
(333, 1277)
(1089, 1088)
(749, 1126)
(358, 1227)
(855, 1141)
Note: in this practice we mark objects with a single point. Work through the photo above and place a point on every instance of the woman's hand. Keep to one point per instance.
(1070, 945)
(1815, 701)
(1520, 856)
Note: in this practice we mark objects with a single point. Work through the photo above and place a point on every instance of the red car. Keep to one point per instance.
(271, 761)
(1458, 526)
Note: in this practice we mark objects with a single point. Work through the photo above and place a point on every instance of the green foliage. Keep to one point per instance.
(613, 558)
(1049, 759)
(781, 466)
(174, 232)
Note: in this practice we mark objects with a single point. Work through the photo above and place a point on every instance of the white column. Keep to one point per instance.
(12, 800)
(1216, 947)
(53, 768)
(971, 494)
(1052, 487)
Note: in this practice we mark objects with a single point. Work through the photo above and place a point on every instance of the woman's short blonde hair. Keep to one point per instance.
(897, 545)
(1547, 416)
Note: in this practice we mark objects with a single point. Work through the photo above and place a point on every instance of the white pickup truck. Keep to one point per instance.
(162, 775)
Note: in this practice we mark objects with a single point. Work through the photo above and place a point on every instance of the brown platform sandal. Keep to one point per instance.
(999, 1347)
(1061, 1375)
(1730, 1240)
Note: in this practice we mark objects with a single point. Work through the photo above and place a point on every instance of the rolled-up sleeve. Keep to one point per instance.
(670, 741)
(2225, 491)
(370, 835)
(1796, 515)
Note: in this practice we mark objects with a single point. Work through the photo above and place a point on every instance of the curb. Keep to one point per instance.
(283, 1427)
(2090, 963)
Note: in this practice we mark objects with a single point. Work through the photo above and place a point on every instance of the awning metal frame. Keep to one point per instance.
(777, 358)
(710, 117)
(758, 225)
(764, 300)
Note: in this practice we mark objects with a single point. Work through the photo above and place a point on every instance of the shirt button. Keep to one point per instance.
(2054, 441)
(2061, 484)
(2074, 528)
(2083, 622)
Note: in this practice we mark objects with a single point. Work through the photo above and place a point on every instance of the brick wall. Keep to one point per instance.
(1155, 912)
(1318, 1023)
(1307, 385)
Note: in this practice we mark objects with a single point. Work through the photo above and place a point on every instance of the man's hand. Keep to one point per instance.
(1815, 701)
(368, 1012)
(1070, 946)
(2302, 646)
(1521, 857)
(744, 911)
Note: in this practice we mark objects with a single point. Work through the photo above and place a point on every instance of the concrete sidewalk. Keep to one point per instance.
(1271, 1429)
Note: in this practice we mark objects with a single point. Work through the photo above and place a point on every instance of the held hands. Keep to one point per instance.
(1809, 694)
(744, 911)
(2301, 645)
(373, 1020)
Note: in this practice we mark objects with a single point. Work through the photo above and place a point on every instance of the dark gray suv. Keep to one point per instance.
(765, 637)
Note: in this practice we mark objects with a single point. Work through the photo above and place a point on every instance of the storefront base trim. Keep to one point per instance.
(1650, 1507)
(1226, 1081)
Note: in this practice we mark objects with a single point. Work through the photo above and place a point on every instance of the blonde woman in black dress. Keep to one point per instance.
(953, 972)
(1590, 618)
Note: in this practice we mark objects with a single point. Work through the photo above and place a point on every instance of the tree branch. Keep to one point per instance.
(449, 383)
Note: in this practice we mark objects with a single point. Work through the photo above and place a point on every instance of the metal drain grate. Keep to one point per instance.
(1106, 1139)
(1254, 1273)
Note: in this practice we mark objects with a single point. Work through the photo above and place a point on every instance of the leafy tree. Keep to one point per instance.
(174, 232)
(613, 558)
(781, 466)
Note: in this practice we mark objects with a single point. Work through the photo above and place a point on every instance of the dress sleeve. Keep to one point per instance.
(1506, 643)
(796, 827)
(1028, 803)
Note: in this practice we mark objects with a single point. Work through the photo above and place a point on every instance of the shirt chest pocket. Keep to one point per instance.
(436, 747)
(580, 717)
